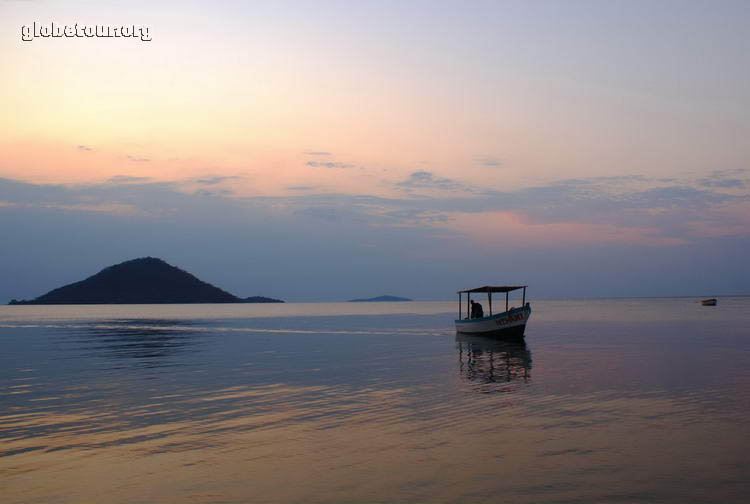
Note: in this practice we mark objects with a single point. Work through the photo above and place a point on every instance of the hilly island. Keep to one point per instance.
(147, 280)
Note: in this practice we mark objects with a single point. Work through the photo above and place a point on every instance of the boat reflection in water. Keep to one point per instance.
(487, 360)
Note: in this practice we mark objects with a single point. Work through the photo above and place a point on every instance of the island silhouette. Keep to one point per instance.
(148, 280)
(379, 299)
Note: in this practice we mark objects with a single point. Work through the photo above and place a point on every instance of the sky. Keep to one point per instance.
(322, 151)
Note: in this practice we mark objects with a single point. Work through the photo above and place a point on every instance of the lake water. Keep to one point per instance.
(618, 401)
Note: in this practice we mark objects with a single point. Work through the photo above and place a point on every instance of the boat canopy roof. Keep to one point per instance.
(494, 288)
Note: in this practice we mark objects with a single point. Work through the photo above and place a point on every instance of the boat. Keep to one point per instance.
(509, 323)
(709, 302)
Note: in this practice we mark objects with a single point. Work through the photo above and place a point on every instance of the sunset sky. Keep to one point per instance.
(319, 151)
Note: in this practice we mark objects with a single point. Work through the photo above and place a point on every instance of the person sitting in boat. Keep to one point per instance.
(476, 310)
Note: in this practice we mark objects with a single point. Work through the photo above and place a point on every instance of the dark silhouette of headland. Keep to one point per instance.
(147, 280)
(379, 299)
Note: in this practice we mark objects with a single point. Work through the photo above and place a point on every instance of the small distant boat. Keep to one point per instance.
(709, 302)
(511, 322)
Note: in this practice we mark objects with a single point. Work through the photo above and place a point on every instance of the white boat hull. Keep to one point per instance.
(510, 323)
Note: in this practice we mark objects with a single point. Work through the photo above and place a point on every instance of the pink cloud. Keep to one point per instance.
(508, 229)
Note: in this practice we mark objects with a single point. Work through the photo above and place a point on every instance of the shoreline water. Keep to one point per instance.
(606, 401)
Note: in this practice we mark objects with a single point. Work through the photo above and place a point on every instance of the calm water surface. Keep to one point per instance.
(637, 400)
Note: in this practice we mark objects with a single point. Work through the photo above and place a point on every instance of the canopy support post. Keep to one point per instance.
(459, 306)
(489, 297)
(523, 303)
(506, 300)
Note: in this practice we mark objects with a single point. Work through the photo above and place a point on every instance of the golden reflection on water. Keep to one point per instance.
(297, 453)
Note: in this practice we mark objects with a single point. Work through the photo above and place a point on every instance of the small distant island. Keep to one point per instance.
(148, 280)
(379, 299)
